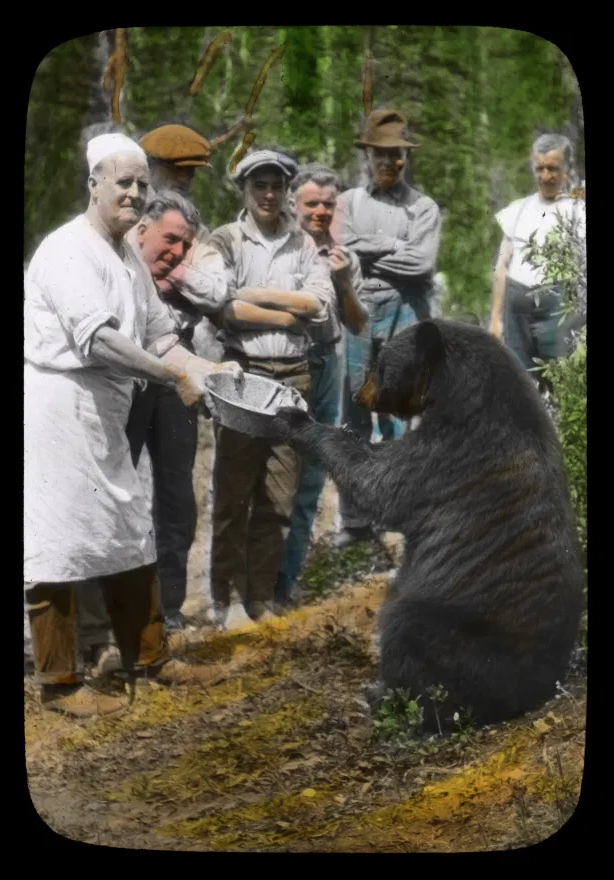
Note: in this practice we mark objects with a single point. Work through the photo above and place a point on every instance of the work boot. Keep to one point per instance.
(348, 536)
(285, 596)
(260, 611)
(174, 621)
(80, 702)
(218, 615)
(107, 660)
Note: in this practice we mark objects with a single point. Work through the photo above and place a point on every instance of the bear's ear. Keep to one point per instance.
(429, 344)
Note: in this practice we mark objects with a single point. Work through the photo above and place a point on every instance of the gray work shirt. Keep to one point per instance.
(395, 233)
(290, 262)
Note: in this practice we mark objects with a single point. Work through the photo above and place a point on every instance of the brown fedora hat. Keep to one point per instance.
(385, 128)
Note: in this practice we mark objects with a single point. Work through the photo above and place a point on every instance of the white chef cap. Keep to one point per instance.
(106, 145)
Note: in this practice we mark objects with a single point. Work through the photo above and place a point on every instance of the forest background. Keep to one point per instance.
(475, 98)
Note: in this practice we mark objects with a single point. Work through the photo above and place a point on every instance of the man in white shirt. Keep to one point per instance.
(92, 323)
(525, 311)
(280, 289)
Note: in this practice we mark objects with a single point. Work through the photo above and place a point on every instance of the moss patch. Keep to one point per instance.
(241, 755)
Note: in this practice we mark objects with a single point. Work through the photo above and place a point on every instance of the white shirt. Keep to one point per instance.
(533, 214)
(86, 511)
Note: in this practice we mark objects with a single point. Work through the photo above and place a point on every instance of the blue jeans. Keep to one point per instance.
(325, 394)
(389, 313)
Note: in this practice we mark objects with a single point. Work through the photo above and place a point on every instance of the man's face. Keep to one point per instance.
(165, 175)
(550, 172)
(119, 191)
(387, 164)
(314, 207)
(265, 193)
(164, 243)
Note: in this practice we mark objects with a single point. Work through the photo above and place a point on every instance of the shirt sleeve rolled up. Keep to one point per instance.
(317, 280)
(203, 282)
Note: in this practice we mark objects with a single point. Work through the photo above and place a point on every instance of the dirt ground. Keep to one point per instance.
(280, 753)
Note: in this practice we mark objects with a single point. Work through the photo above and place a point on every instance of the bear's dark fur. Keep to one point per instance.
(488, 598)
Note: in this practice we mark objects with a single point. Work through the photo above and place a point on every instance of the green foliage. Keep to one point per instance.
(568, 379)
(474, 96)
(399, 717)
(58, 108)
(325, 569)
(563, 259)
(463, 727)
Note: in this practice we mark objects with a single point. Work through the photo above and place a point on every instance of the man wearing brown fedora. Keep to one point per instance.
(395, 231)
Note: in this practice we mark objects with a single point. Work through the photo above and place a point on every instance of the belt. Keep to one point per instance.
(236, 355)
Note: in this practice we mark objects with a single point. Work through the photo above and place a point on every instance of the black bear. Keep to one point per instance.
(488, 598)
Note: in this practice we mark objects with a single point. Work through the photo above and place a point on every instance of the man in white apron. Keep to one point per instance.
(93, 322)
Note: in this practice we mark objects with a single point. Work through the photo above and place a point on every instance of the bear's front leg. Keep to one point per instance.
(342, 454)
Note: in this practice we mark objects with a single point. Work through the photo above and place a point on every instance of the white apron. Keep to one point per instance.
(86, 512)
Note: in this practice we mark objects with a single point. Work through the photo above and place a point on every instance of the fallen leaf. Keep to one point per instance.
(541, 726)
(366, 787)
(144, 734)
(302, 762)
(309, 792)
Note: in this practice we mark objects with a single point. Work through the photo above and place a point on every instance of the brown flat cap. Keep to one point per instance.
(177, 144)
(385, 128)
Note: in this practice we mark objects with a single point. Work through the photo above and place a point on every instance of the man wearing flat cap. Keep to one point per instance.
(280, 289)
(194, 290)
(175, 152)
(395, 231)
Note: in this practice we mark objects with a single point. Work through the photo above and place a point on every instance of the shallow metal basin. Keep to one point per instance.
(250, 404)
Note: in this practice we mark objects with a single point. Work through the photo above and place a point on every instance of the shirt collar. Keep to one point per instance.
(398, 190)
(251, 231)
(325, 248)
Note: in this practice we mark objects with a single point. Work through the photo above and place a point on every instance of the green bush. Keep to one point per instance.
(563, 257)
(567, 377)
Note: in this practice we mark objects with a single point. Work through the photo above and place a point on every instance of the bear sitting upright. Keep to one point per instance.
(488, 598)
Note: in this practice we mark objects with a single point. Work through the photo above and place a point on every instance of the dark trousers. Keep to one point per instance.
(255, 482)
(133, 606)
(161, 421)
(532, 323)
